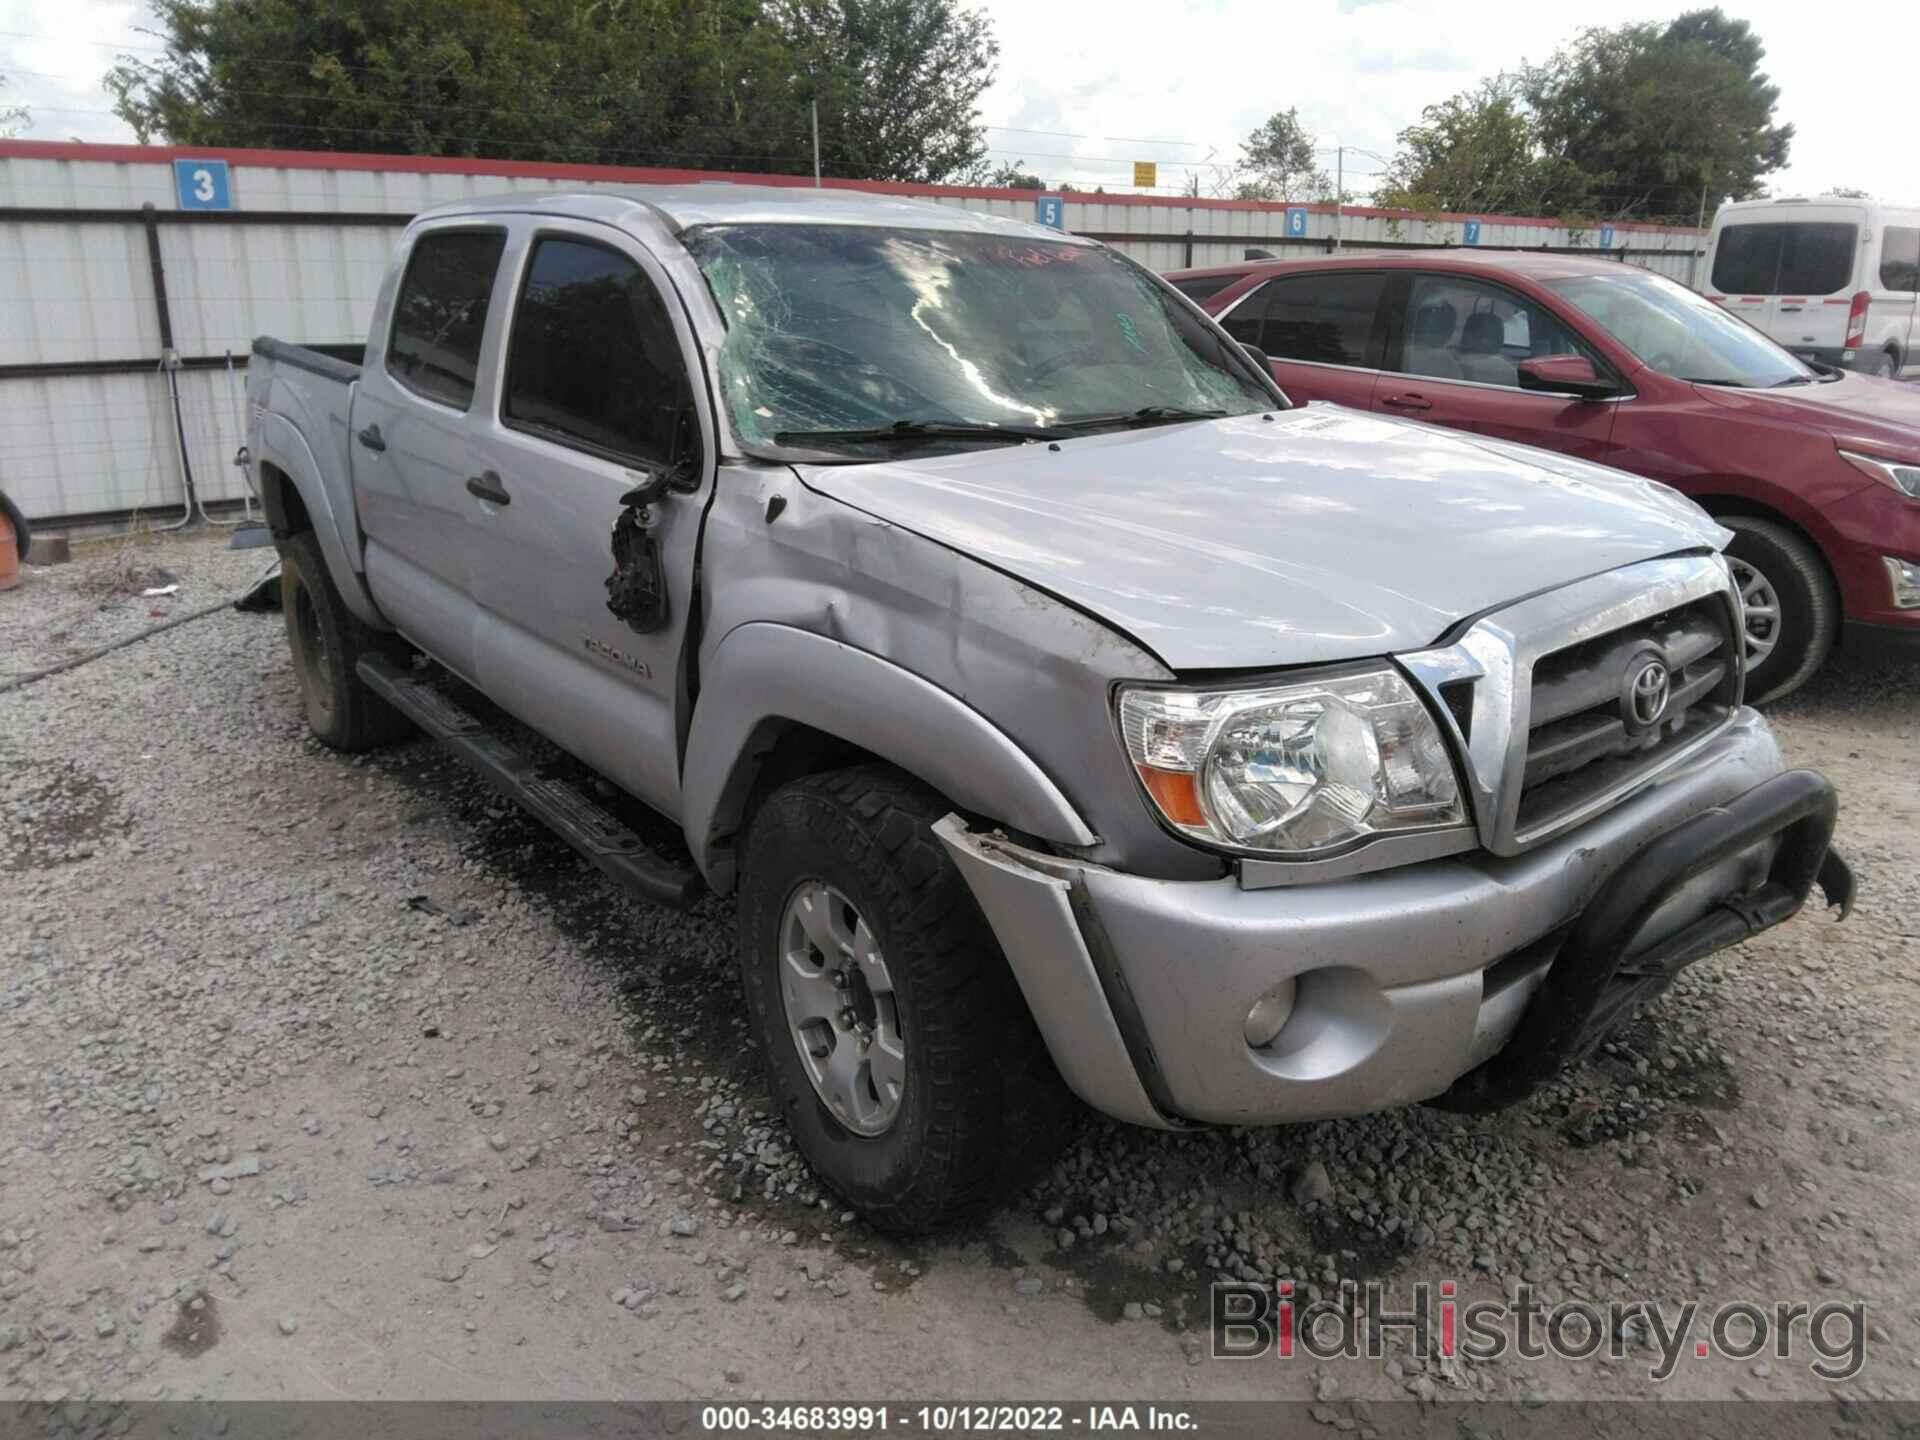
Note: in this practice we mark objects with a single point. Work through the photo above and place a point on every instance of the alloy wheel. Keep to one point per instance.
(1761, 603)
(841, 1009)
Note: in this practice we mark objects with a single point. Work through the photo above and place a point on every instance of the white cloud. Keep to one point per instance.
(1359, 71)
(54, 57)
(1202, 73)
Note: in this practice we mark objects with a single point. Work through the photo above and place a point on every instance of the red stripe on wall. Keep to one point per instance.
(81, 151)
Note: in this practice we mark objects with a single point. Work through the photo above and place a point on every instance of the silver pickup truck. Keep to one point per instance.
(1057, 700)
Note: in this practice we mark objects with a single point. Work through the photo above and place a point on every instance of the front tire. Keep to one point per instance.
(1793, 614)
(327, 641)
(897, 1046)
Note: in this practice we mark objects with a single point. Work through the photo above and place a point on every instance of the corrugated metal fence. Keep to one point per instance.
(106, 272)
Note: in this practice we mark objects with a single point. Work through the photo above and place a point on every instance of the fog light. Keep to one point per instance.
(1906, 583)
(1269, 1015)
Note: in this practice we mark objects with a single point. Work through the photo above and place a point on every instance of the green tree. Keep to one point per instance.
(1480, 151)
(899, 83)
(1656, 116)
(701, 84)
(1277, 162)
(1015, 177)
(13, 118)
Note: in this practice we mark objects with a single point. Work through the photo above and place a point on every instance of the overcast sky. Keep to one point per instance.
(1084, 87)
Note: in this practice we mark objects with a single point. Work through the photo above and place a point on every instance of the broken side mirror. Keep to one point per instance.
(637, 588)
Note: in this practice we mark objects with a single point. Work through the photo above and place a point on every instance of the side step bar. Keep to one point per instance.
(596, 834)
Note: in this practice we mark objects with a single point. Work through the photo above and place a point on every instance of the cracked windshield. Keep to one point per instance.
(851, 336)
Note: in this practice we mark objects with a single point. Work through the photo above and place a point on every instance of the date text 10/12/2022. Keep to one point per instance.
(945, 1419)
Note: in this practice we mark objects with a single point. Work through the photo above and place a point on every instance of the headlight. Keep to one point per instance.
(1294, 770)
(1900, 474)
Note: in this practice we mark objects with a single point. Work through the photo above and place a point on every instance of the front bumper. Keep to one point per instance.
(1408, 979)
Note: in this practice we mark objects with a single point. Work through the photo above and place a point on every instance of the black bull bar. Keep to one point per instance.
(1602, 970)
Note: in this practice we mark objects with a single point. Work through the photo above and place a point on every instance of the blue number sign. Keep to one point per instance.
(1606, 237)
(1296, 222)
(202, 185)
(1051, 211)
(1470, 233)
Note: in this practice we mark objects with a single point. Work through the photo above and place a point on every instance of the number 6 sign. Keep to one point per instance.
(202, 185)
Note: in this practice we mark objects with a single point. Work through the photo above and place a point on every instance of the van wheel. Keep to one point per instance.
(1886, 365)
(896, 1044)
(1792, 611)
(327, 641)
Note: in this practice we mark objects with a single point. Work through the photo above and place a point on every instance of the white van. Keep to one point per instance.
(1832, 279)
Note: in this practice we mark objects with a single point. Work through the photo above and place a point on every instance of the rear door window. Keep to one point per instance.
(1809, 258)
(593, 361)
(1817, 259)
(1327, 319)
(1747, 259)
(1900, 258)
(440, 313)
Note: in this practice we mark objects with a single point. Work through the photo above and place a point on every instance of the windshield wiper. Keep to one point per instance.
(1792, 380)
(1145, 415)
(904, 431)
(1726, 380)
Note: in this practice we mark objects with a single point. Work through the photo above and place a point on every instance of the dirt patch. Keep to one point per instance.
(195, 1328)
(53, 814)
(1647, 1076)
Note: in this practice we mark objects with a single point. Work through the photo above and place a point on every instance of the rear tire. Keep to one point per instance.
(922, 1097)
(327, 641)
(1886, 365)
(1778, 570)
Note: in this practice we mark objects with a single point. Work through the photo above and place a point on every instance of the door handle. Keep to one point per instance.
(488, 487)
(1407, 402)
(372, 438)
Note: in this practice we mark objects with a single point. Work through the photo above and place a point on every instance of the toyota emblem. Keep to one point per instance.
(1648, 690)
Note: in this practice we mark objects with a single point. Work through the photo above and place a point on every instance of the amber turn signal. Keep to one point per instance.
(1175, 793)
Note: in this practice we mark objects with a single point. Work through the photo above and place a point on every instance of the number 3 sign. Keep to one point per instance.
(202, 185)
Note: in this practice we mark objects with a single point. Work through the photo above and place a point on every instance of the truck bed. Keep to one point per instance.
(336, 362)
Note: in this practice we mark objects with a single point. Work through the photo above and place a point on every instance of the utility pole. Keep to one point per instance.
(1339, 191)
(816, 142)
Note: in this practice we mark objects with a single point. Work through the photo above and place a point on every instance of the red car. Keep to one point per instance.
(1815, 470)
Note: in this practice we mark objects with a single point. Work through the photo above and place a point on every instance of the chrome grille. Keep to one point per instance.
(1584, 736)
(1535, 695)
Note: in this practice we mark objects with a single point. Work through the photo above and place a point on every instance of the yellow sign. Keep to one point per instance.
(1146, 174)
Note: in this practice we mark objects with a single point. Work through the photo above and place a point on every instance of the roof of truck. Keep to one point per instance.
(723, 203)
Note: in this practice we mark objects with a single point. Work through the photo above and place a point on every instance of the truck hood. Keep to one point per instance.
(1882, 415)
(1317, 534)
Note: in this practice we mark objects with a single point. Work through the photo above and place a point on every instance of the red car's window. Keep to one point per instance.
(1461, 329)
(1202, 287)
(1327, 318)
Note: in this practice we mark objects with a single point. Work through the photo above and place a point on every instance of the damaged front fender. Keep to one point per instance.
(765, 673)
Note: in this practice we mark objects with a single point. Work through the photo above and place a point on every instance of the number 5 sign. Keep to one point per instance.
(202, 185)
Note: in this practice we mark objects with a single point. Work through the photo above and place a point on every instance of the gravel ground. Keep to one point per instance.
(326, 1077)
